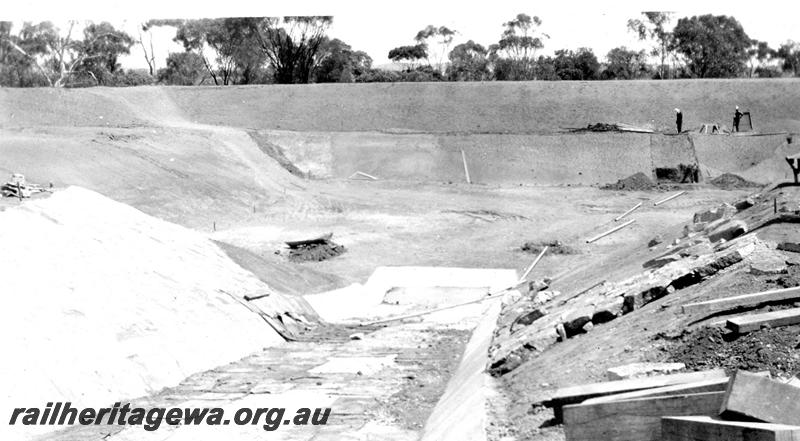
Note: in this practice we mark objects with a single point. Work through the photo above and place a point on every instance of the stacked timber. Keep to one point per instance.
(694, 406)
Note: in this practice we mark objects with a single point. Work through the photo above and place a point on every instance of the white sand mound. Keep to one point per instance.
(101, 302)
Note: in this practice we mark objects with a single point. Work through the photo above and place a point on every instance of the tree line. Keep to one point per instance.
(297, 50)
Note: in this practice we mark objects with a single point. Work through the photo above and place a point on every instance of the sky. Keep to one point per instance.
(376, 27)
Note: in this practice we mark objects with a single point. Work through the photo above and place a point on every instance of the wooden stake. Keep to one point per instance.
(466, 169)
(535, 261)
(669, 198)
(627, 212)
(615, 229)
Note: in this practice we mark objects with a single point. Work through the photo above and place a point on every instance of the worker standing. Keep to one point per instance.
(737, 116)
(678, 119)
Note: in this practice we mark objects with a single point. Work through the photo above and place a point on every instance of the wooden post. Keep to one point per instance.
(466, 169)
(615, 229)
(616, 219)
(535, 261)
(669, 198)
(19, 192)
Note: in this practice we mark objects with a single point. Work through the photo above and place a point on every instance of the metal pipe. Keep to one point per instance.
(669, 198)
(489, 296)
(535, 261)
(627, 212)
(617, 228)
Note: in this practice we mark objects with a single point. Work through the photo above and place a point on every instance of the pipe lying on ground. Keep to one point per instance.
(616, 219)
(669, 198)
(489, 296)
(535, 261)
(358, 173)
(615, 229)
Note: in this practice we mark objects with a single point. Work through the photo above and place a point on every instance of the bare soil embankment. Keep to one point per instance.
(498, 107)
(104, 302)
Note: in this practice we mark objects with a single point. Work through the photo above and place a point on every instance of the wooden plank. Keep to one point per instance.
(712, 385)
(746, 300)
(317, 240)
(634, 420)
(580, 393)
(705, 428)
(753, 322)
(761, 398)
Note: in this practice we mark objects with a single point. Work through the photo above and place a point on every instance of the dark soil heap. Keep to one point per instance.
(555, 247)
(773, 349)
(727, 181)
(637, 181)
(315, 252)
(602, 127)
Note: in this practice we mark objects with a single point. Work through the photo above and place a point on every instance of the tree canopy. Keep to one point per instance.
(714, 46)
(291, 45)
(790, 53)
(514, 55)
(654, 28)
(579, 65)
(625, 64)
(410, 54)
(60, 58)
(339, 63)
(468, 62)
(297, 49)
(441, 36)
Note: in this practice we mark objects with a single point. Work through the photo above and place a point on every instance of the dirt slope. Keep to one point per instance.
(508, 107)
(649, 327)
(100, 299)
(497, 107)
(136, 146)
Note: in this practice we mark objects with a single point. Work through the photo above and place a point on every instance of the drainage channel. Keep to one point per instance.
(418, 379)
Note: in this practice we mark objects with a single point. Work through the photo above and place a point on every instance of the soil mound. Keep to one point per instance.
(773, 349)
(79, 267)
(727, 181)
(637, 181)
(554, 247)
(315, 251)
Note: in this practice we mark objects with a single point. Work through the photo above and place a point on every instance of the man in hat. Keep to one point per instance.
(737, 116)
(678, 119)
